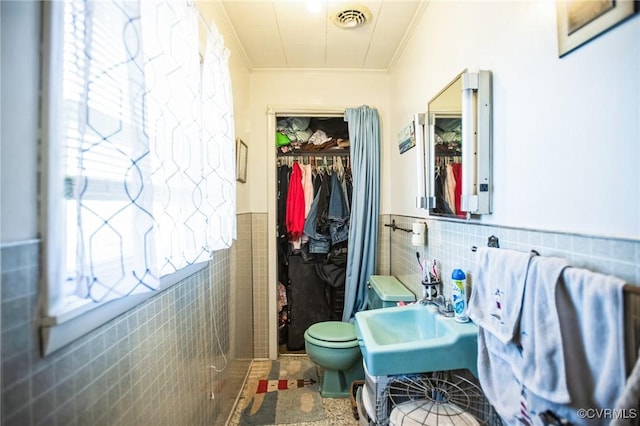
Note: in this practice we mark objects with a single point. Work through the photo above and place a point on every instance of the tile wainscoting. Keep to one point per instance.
(450, 242)
(151, 365)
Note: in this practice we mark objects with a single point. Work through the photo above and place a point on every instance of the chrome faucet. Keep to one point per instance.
(444, 306)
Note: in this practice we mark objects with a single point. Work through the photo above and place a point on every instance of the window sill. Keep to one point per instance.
(58, 331)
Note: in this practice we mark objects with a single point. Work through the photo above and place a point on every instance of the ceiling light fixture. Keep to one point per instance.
(351, 17)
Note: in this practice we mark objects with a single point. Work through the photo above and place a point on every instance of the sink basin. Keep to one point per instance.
(415, 339)
(388, 327)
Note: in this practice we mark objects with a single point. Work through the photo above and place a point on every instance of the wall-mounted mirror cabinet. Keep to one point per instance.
(457, 148)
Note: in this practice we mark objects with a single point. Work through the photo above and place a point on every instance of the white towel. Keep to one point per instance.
(496, 294)
(496, 378)
(542, 367)
(585, 369)
(630, 398)
(591, 311)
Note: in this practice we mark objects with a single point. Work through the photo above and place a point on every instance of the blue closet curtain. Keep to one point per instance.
(364, 134)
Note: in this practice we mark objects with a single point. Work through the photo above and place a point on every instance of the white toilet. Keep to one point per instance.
(333, 345)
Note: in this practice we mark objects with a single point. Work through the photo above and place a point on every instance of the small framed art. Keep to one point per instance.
(241, 161)
(580, 21)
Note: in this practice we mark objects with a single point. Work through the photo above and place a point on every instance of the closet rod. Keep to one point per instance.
(315, 154)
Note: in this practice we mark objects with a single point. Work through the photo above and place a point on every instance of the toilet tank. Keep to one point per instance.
(385, 291)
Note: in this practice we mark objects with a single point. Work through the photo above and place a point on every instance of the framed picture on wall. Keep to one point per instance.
(241, 161)
(582, 20)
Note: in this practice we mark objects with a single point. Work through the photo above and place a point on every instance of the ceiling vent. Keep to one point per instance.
(351, 17)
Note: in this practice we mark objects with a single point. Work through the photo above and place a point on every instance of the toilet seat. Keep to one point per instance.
(332, 334)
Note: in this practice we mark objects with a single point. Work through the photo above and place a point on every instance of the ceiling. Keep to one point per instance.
(299, 34)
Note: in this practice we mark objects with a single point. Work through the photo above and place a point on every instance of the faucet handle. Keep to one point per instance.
(446, 309)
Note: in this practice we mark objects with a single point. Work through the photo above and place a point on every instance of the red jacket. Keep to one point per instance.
(294, 218)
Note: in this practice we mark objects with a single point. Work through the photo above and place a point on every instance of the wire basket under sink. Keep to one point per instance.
(436, 398)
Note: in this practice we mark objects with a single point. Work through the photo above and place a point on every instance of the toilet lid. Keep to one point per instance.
(333, 331)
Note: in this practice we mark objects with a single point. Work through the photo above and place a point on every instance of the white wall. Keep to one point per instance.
(310, 89)
(566, 130)
(20, 75)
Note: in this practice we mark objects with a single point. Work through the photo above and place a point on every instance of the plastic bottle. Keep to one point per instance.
(458, 295)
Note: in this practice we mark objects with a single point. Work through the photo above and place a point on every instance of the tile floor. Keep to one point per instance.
(337, 412)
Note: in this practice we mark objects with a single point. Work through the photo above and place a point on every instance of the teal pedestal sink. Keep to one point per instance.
(415, 339)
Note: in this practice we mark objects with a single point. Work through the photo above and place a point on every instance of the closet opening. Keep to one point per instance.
(313, 196)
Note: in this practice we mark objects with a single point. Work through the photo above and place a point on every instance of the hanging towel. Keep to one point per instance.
(537, 372)
(591, 312)
(498, 287)
(542, 368)
(496, 378)
(630, 398)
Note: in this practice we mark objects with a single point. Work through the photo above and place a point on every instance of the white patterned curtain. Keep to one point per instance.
(218, 143)
(173, 68)
(110, 228)
(149, 153)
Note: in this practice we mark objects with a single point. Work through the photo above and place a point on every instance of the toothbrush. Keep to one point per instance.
(424, 268)
(434, 267)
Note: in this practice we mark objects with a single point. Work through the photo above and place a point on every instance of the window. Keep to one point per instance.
(138, 151)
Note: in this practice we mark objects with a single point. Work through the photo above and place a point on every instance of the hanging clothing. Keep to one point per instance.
(283, 187)
(456, 169)
(322, 215)
(307, 302)
(282, 238)
(333, 272)
(317, 182)
(295, 204)
(338, 212)
(345, 178)
(450, 189)
(312, 268)
(442, 206)
(307, 186)
(318, 242)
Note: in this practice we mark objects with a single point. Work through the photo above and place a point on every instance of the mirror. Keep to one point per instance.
(459, 147)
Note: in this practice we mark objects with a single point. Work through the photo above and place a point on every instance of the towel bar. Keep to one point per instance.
(632, 344)
(627, 288)
(393, 226)
(631, 289)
